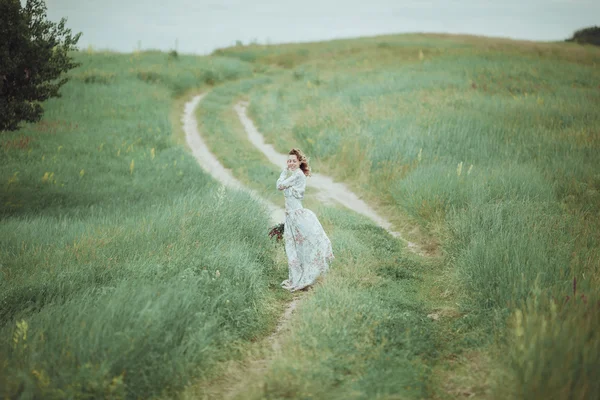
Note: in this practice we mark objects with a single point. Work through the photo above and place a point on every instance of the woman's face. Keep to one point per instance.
(292, 162)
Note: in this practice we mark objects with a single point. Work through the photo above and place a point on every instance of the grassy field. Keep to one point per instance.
(364, 332)
(125, 269)
(491, 148)
(367, 317)
(127, 272)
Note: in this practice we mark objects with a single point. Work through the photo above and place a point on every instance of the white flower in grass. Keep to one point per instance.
(220, 195)
(459, 168)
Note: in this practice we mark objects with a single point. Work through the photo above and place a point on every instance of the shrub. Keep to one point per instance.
(589, 35)
(34, 54)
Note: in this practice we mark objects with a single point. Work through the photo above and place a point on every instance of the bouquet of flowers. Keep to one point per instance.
(277, 231)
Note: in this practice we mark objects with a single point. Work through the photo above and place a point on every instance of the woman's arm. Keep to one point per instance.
(284, 183)
(281, 179)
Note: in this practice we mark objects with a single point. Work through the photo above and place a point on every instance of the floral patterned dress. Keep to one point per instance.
(307, 246)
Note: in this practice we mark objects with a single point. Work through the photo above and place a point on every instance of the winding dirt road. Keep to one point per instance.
(328, 191)
(211, 164)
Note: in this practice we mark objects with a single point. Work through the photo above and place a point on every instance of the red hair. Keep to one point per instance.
(302, 160)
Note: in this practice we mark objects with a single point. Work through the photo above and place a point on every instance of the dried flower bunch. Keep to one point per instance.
(277, 231)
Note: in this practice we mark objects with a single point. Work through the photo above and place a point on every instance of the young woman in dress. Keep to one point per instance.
(307, 246)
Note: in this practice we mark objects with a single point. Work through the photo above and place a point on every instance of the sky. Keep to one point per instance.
(201, 26)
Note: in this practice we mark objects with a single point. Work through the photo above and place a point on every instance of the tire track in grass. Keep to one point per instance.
(329, 190)
(211, 164)
(209, 161)
(227, 386)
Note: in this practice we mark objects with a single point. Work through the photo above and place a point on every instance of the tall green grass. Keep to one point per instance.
(363, 331)
(547, 333)
(224, 134)
(490, 145)
(151, 302)
(125, 270)
(363, 334)
(227, 139)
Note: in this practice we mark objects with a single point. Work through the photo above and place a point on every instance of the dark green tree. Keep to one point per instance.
(34, 54)
(589, 35)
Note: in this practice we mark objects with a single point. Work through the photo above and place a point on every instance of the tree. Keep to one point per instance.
(589, 35)
(34, 53)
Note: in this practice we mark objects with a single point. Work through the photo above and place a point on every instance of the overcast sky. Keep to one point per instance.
(200, 26)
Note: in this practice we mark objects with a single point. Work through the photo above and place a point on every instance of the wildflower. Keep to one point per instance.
(519, 331)
(277, 231)
(13, 179)
(217, 274)
(42, 377)
(20, 333)
(48, 176)
(220, 195)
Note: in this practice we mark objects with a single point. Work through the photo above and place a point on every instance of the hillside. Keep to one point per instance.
(128, 272)
(484, 151)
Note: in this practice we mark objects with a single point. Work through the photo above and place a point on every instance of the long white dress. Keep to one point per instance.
(307, 246)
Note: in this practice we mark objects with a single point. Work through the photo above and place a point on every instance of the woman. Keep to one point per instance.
(307, 246)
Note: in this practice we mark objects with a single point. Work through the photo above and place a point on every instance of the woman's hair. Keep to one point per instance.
(302, 160)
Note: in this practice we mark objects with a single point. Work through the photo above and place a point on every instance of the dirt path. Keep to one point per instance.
(328, 189)
(229, 386)
(211, 164)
